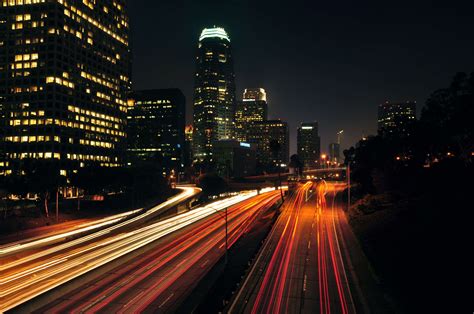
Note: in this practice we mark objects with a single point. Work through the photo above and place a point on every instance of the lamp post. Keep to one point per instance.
(226, 233)
(348, 175)
(226, 246)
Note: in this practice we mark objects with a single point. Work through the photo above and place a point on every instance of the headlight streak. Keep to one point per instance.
(23, 285)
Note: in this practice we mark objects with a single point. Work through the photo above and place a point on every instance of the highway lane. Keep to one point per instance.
(302, 267)
(30, 276)
(23, 246)
(161, 278)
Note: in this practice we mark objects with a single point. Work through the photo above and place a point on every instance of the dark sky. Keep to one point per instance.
(329, 61)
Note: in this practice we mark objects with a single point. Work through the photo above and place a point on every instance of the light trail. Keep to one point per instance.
(301, 267)
(90, 252)
(186, 193)
(196, 248)
(35, 242)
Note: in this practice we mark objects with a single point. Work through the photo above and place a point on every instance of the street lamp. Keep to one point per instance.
(226, 233)
(348, 175)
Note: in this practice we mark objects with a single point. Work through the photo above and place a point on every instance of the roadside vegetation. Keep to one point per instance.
(411, 199)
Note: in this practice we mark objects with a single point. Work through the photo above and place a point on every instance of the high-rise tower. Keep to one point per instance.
(64, 77)
(214, 92)
(252, 108)
(309, 144)
(155, 129)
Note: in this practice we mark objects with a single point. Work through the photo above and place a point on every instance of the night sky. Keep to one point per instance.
(331, 61)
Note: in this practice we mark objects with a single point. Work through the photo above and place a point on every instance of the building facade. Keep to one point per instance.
(214, 93)
(334, 152)
(396, 119)
(262, 134)
(252, 108)
(235, 159)
(64, 79)
(258, 94)
(156, 125)
(309, 144)
(188, 145)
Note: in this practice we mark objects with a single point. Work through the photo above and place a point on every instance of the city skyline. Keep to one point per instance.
(261, 158)
(342, 73)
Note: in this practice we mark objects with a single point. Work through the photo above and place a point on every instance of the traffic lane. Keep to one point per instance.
(262, 285)
(249, 290)
(118, 274)
(58, 272)
(190, 268)
(36, 250)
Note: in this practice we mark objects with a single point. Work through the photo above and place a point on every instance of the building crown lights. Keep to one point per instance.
(218, 32)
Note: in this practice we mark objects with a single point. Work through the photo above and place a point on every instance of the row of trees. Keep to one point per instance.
(43, 178)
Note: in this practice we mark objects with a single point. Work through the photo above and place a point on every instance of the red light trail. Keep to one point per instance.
(301, 267)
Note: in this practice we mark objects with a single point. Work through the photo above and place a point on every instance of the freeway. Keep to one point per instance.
(161, 277)
(304, 265)
(33, 275)
(23, 246)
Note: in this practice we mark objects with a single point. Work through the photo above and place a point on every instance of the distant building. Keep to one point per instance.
(257, 94)
(188, 145)
(214, 92)
(64, 80)
(262, 134)
(234, 159)
(252, 108)
(309, 144)
(396, 119)
(334, 152)
(156, 127)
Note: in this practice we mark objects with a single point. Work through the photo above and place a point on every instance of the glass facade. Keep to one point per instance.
(261, 134)
(156, 124)
(64, 77)
(214, 93)
(252, 108)
(309, 144)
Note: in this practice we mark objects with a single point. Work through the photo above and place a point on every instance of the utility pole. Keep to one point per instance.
(348, 174)
(226, 246)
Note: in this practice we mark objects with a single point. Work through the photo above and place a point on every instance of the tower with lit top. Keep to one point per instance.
(214, 92)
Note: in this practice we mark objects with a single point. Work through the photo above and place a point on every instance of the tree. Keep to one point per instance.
(43, 178)
(295, 162)
(212, 184)
(446, 120)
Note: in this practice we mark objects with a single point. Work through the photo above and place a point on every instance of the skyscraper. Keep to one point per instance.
(334, 152)
(262, 134)
(258, 94)
(156, 127)
(396, 119)
(64, 77)
(309, 144)
(188, 145)
(214, 93)
(252, 108)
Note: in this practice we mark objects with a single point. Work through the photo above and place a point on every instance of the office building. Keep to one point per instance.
(396, 119)
(334, 153)
(214, 92)
(261, 134)
(234, 159)
(257, 94)
(252, 108)
(156, 125)
(188, 145)
(64, 79)
(309, 144)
